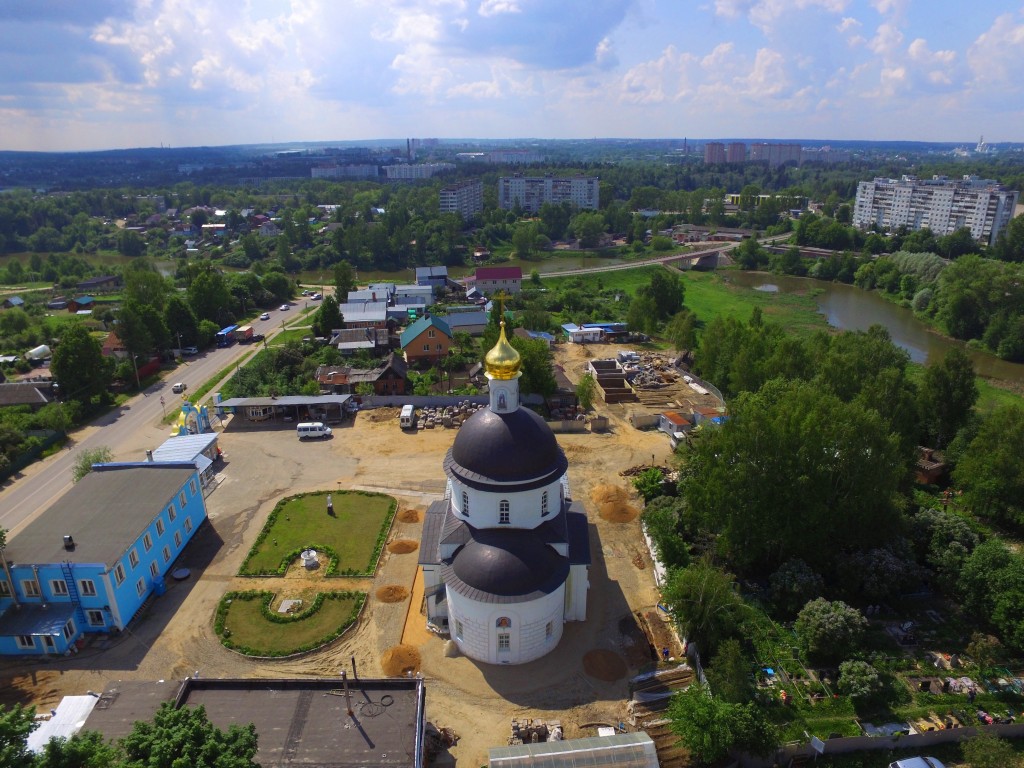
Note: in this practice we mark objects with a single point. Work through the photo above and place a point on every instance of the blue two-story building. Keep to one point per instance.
(93, 558)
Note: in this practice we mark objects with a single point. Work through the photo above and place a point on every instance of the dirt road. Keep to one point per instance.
(582, 681)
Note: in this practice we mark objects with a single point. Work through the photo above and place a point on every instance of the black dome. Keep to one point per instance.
(509, 563)
(507, 447)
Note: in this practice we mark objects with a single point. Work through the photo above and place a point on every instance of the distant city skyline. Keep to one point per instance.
(141, 73)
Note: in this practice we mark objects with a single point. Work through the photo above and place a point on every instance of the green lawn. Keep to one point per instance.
(626, 280)
(290, 334)
(354, 535)
(243, 624)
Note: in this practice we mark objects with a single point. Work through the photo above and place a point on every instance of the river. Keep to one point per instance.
(849, 308)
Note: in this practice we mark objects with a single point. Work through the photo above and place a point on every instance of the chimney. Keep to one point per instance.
(149, 455)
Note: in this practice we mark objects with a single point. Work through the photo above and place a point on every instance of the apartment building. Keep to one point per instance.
(466, 198)
(531, 192)
(942, 204)
(418, 171)
(714, 153)
(775, 154)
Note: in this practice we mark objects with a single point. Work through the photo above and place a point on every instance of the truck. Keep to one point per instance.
(243, 334)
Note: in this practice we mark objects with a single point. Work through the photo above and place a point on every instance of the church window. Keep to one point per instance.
(544, 504)
(504, 515)
(465, 504)
(458, 629)
(504, 641)
(549, 630)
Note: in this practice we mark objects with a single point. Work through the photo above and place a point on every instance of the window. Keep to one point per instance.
(154, 569)
(69, 629)
(30, 588)
(147, 542)
(159, 526)
(95, 618)
(87, 588)
(5, 588)
(133, 558)
(440, 347)
(430, 333)
(458, 629)
(140, 587)
(192, 487)
(119, 574)
(426, 347)
(26, 641)
(549, 630)
(167, 555)
(465, 504)
(171, 514)
(188, 525)
(504, 516)
(181, 499)
(48, 643)
(58, 587)
(544, 504)
(177, 538)
(504, 642)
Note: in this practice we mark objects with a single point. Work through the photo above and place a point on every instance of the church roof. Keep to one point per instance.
(515, 447)
(504, 566)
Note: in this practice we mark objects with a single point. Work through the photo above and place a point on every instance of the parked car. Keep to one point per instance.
(179, 387)
(265, 316)
(316, 297)
(283, 307)
(190, 351)
(918, 762)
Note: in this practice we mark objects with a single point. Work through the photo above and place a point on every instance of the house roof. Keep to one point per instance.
(674, 417)
(369, 312)
(425, 272)
(462, 319)
(287, 400)
(25, 393)
(35, 619)
(84, 300)
(92, 282)
(410, 334)
(14, 301)
(185, 447)
(499, 273)
(105, 512)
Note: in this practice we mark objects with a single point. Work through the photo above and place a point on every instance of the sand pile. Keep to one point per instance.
(409, 516)
(403, 546)
(400, 660)
(613, 504)
(377, 415)
(391, 593)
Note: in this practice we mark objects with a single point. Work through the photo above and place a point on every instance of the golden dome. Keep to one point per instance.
(502, 362)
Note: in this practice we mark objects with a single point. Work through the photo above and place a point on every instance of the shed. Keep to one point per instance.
(201, 450)
(623, 750)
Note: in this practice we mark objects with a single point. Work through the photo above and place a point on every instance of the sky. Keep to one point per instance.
(99, 74)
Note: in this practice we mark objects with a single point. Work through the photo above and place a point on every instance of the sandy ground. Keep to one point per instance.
(584, 681)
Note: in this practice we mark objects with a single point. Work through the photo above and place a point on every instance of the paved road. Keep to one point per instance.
(41, 484)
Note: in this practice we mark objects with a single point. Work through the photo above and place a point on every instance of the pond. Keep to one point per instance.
(849, 308)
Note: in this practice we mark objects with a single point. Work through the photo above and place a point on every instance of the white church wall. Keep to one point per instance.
(524, 506)
(525, 623)
(576, 587)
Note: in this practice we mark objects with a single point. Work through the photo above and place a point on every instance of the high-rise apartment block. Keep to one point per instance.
(736, 152)
(531, 192)
(941, 204)
(466, 198)
(417, 171)
(775, 154)
(714, 153)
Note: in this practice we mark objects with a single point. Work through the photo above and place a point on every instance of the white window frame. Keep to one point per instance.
(192, 487)
(87, 588)
(188, 525)
(59, 587)
(544, 504)
(133, 558)
(504, 641)
(25, 641)
(154, 569)
(5, 588)
(549, 630)
(70, 629)
(504, 512)
(177, 539)
(147, 541)
(29, 588)
(182, 500)
(94, 617)
(171, 514)
(140, 587)
(167, 555)
(159, 526)
(119, 574)
(458, 629)
(426, 347)
(48, 644)
(465, 504)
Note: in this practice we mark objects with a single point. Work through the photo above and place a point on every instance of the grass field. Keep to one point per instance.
(353, 534)
(244, 625)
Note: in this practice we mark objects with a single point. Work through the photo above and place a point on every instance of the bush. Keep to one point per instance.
(793, 585)
(859, 680)
(829, 631)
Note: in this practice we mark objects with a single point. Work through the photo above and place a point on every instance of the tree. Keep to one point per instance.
(327, 317)
(682, 330)
(86, 749)
(586, 391)
(180, 320)
(129, 243)
(649, 484)
(185, 736)
(750, 255)
(132, 331)
(209, 297)
(948, 394)
(829, 631)
(711, 727)
(991, 469)
(729, 673)
(984, 650)
(662, 519)
(986, 750)
(642, 315)
(79, 367)
(344, 280)
(860, 681)
(793, 585)
(666, 291)
(524, 239)
(705, 604)
(16, 723)
(588, 226)
(86, 458)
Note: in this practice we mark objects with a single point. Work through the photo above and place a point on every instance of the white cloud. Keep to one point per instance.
(666, 78)
(765, 14)
(498, 7)
(996, 58)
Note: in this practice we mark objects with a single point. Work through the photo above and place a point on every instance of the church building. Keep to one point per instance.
(505, 555)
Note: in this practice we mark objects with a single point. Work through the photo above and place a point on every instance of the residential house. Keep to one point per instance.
(34, 394)
(376, 341)
(428, 339)
(435, 277)
(365, 314)
(472, 323)
(57, 302)
(200, 450)
(424, 293)
(388, 378)
(90, 561)
(268, 229)
(13, 301)
(114, 347)
(82, 304)
(490, 280)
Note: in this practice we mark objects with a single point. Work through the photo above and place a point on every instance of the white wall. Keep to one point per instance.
(527, 633)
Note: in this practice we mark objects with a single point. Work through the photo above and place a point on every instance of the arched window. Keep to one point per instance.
(544, 504)
(504, 512)
(465, 504)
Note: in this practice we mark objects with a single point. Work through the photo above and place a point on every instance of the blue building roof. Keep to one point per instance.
(409, 334)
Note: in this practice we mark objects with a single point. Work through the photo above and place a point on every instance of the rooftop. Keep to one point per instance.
(299, 721)
(499, 273)
(105, 512)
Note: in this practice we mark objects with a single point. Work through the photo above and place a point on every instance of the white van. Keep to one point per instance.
(407, 419)
(312, 429)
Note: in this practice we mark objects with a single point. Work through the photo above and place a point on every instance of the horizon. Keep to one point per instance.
(121, 74)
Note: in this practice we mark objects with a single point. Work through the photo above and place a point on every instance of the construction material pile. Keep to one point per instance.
(530, 731)
(652, 692)
(449, 416)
